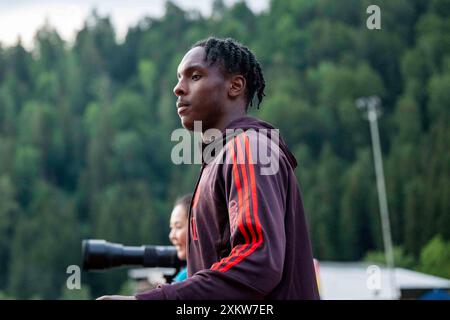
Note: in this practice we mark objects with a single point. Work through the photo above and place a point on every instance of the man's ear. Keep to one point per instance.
(237, 86)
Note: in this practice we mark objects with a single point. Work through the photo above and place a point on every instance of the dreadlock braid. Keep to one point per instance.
(236, 59)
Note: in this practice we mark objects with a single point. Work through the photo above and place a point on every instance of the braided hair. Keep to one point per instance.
(236, 58)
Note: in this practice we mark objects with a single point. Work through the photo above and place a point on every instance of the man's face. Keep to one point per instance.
(201, 90)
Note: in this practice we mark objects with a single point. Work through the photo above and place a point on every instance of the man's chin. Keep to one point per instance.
(188, 124)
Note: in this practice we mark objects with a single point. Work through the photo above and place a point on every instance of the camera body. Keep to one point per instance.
(99, 254)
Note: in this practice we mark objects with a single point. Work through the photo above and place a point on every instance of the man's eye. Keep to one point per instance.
(196, 77)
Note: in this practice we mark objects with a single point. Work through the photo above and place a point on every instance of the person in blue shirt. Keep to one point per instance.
(178, 231)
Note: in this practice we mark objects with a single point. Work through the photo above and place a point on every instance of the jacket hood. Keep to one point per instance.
(248, 122)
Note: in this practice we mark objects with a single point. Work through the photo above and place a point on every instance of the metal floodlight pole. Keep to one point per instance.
(371, 105)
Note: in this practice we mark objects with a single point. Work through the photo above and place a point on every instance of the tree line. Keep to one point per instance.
(85, 133)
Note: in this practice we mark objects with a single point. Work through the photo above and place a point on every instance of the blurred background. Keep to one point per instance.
(87, 109)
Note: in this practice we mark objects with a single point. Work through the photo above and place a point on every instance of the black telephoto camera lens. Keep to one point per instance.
(100, 254)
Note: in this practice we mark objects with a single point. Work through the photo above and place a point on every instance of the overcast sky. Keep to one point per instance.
(24, 17)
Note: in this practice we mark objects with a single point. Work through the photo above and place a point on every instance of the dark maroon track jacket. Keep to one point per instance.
(248, 235)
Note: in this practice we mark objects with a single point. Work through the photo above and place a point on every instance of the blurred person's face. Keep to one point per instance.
(178, 230)
(202, 91)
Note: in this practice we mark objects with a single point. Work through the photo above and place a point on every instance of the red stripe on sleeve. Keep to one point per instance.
(241, 227)
(253, 186)
(240, 252)
(197, 195)
(194, 229)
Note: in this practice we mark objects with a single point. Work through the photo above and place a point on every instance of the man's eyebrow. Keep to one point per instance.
(191, 67)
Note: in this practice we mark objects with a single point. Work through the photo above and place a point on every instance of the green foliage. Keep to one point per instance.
(85, 133)
(76, 294)
(9, 211)
(401, 258)
(4, 296)
(128, 288)
(45, 242)
(359, 223)
(435, 257)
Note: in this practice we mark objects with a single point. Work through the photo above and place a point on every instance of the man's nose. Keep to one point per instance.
(179, 89)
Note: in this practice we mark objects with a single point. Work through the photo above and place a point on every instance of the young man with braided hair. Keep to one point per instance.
(248, 236)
